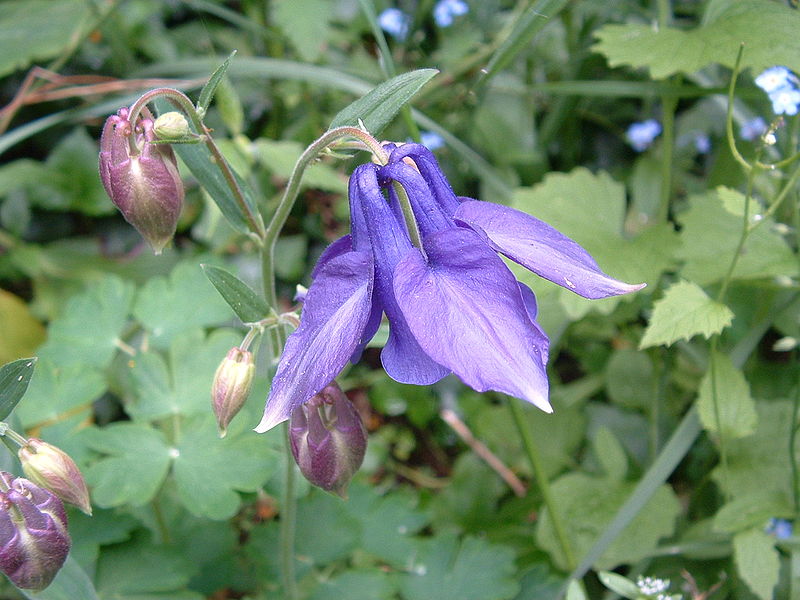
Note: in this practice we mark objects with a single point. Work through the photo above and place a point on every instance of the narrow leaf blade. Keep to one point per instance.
(619, 584)
(207, 93)
(247, 305)
(381, 104)
(14, 379)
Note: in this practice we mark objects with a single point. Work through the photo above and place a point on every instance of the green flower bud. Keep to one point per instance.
(171, 126)
(232, 383)
(50, 467)
(328, 439)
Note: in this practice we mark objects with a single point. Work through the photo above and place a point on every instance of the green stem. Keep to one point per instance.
(182, 101)
(669, 104)
(729, 117)
(664, 13)
(7, 433)
(534, 456)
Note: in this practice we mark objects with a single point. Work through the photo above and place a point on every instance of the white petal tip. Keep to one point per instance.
(268, 422)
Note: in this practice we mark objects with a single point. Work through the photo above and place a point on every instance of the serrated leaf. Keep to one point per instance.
(207, 93)
(590, 209)
(208, 470)
(37, 30)
(619, 584)
(185, 300)
(710, 232)
(248, 306)
(381, 104)
(683, 312)
(737, 411)
(446, 568)
(666, 51)
(58, 391)
(180, 385)
(757, 561)
(136, 462)
(588, 504)
(102, 309)
(14, 379)
(306, 23)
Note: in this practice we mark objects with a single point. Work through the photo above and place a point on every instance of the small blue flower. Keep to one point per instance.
(641, 135)
(785, 101)
(775, 78)
(752, 129)
(432, 141)
(445, 11)
(702, 143)
(395, 22)
(780, 528)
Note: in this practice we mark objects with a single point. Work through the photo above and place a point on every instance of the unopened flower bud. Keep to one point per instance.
(34, 541)
(328, 439)
(232, 383)
(52, 468)
(142, 181)
(171, 126)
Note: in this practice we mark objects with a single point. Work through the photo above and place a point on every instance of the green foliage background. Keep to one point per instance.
(672, 442)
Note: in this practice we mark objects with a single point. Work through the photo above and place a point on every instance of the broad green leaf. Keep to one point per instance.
(737, 411)
(185, 300)
(71, 583)
(447, 568)
(229, 107)
(57, 391)
(248, 306)
(619, 584)
(306, 23)
(207, 93)
(752, 510)
(684, 311)
(322, 512)
(710, 233)
(180, 385)
(14, 379)
(280, 156)
(357, 584)
(610, 454)
(757, 561)
(629, 379)
(382, 103)
(588, 504)
(22, 332)
(140, 567)
(666, 50)
(102, 310)
(590, 209)
(135, 464)
(38, 30)
(208, 470)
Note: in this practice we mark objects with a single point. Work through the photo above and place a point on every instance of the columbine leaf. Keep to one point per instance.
(752, 510)
(737, 412)
(207, 93)
(381, 104)
(619, 584)
(683, 312)
(247, 305)
(757, 561)
(136, 463)
(185, 300)
(356, 584)
(14, 379)
(666, 51)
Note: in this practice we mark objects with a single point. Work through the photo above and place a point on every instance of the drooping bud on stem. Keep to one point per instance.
(171, 126)
(34, 541)
(141, 178)
(52, 468)
(231, 386)
(328, 439)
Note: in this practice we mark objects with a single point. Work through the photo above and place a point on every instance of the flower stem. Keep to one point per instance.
(534, 456)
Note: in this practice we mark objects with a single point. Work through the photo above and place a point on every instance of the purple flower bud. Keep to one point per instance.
(231, 386)
(328, 439)
(50, 467)
(143, 182)
(34, 541)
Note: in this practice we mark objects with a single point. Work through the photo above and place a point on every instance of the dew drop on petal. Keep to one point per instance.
(569, 283)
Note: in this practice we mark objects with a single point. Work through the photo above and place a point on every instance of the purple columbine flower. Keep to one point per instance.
(453, 305)
(445, 11)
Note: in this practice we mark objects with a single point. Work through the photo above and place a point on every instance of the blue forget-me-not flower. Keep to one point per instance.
(781, 85)
(452, 304)
(445, 11)
(431, 140)
(395, 22)
(752, 129)
(780, 528)
(641, 135)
